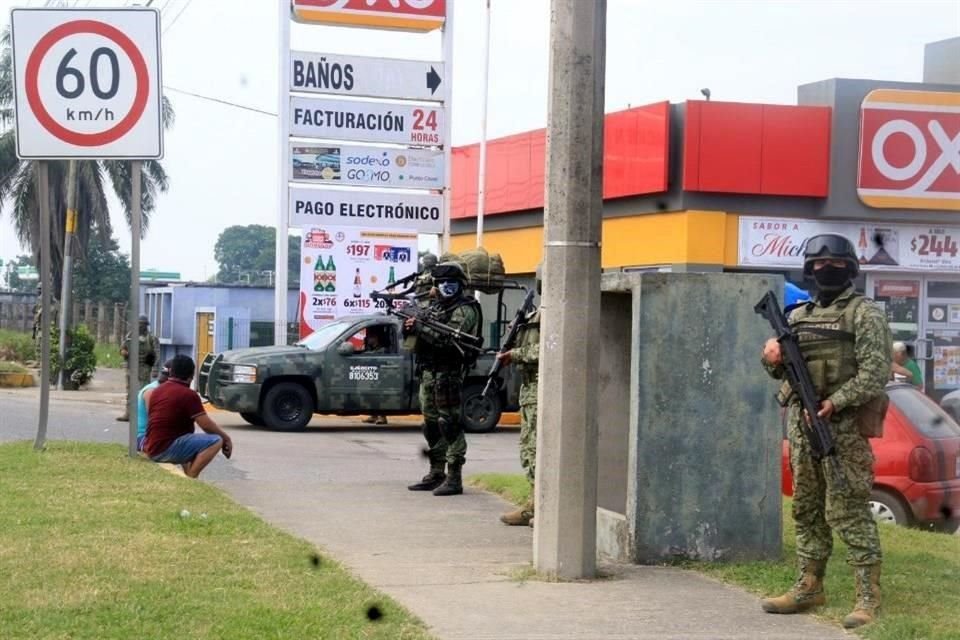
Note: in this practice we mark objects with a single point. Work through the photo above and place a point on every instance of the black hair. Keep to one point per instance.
(182, 367)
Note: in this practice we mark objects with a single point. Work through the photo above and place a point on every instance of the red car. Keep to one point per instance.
(917, 468)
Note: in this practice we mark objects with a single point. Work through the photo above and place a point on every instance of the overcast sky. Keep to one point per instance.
(222, 160)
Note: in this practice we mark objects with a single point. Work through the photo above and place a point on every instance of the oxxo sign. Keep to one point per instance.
(910, 150)
(87, 83)
(411, 15)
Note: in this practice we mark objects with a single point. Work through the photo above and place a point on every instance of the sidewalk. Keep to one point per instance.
(451, 562)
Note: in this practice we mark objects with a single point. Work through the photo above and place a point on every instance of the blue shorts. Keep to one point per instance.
(185, 448)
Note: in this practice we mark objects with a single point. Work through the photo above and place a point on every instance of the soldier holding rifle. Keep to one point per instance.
(443, 354)
(844, 341)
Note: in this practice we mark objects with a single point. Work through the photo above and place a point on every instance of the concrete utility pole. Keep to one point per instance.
(566, 486)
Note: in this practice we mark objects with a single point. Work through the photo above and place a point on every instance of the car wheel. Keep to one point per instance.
(287, 406)
(888, 509)
(480, 414)
(252, 418)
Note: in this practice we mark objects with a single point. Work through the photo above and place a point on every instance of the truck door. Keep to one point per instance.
(369, 372)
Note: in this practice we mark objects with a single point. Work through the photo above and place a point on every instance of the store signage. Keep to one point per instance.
(334, 164)
(361, 76)
(780, 242)
(910, 150)
(397, 123)
(340, 267)
(419, 212)
(410, 15)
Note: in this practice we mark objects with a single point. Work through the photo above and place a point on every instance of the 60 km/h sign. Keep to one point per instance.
(87, 83)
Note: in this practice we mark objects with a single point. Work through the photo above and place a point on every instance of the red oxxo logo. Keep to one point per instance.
(910, 150)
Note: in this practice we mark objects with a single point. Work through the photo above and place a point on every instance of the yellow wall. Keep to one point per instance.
(683, 237)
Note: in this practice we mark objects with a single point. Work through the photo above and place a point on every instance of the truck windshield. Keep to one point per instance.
(322, 337)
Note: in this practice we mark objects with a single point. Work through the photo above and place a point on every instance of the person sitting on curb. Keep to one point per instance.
(174, 408)
(143, 403)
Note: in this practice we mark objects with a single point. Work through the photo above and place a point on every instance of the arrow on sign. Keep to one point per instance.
(433, 80)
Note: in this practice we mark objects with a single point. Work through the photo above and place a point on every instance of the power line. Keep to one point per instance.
(220, 101)
(176, 17)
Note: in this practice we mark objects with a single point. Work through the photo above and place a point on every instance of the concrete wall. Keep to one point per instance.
(703, 450)
(613, 385)
(941, 61)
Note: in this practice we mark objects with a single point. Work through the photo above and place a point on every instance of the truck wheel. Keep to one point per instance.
(252, 418)
(479, 414)
(287, 407)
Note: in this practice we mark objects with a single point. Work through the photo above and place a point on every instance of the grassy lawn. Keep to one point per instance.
(16, 346)
(108, 356)
(921, 574)
(93, 545)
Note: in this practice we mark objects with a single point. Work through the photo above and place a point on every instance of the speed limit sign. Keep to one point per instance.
(87, 83)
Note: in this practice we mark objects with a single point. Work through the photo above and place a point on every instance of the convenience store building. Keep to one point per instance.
(738, 187)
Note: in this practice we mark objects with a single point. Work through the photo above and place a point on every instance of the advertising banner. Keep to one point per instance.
(335, 164)
(779, 242)
(341, 266)
(392, 122)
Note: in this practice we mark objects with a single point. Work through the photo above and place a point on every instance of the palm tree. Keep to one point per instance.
(18, 185)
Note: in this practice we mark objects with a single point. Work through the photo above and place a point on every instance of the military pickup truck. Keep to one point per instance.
(328, 372)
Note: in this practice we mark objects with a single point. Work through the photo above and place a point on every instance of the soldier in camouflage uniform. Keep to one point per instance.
(846, 342)
(424, 281)
(526, 355)
(38, 318)
(442, 367)
(148, 354)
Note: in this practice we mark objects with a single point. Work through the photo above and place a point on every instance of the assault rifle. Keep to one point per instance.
(815, 429)
(493, 376)
(462, 341)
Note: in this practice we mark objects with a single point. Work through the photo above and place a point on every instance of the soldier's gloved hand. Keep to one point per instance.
(771, 352)
(408, 324)
(505, 358)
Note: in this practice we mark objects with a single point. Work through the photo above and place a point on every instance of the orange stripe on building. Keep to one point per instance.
(897, 96)
(901, 202)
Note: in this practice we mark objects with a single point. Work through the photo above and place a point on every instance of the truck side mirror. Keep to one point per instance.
(346, 349)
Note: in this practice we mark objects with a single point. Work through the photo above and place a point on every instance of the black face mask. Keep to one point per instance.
(831, 278)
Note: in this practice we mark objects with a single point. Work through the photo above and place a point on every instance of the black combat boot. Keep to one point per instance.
(453, 485)
(432, 480)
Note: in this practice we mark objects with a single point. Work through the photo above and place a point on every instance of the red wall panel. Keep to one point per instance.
(635, 162)
(796, 151)
(756, 149)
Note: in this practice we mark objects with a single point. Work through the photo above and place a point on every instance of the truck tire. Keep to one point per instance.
(479, 414)
(287, 406)
(252, 418)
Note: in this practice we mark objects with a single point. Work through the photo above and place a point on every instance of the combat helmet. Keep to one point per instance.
(830, 245)
(446, 271)
(428, 261)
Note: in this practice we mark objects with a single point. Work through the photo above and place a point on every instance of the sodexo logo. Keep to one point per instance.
(910, 150)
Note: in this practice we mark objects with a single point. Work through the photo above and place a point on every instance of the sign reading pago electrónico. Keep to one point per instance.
(87, 83)
(415, 212)
(910, 150)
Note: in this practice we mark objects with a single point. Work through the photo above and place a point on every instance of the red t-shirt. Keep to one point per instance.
(173, 408)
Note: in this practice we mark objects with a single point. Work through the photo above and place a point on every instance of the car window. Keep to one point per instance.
(319, 339)
(927, 418)
(375, 339)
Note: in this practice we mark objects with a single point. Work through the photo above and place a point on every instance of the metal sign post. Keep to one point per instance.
(43, 196)
(87, 85)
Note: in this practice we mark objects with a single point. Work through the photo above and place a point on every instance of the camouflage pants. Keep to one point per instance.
(528, 440)
(820, 506)
(440, 405)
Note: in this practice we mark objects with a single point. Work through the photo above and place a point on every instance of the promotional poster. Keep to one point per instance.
(341, 266)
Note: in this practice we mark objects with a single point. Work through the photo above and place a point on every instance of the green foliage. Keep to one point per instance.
(94, 547)
(108, 356)
(16, 346)
(512, 486)
(246, 253)
(81, 361)
(14, 282)
(12, 367)
(103, 274)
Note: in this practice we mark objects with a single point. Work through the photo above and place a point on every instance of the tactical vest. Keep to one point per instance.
(448, 355)
(827, 338)
(529, 371)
